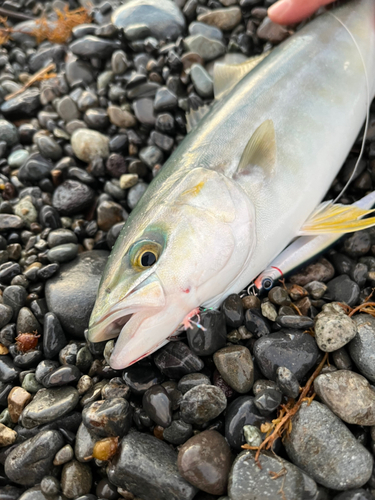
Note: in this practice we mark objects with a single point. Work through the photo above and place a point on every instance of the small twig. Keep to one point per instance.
(296, 308)
(15, 15)
(38, 76)
(362, 306)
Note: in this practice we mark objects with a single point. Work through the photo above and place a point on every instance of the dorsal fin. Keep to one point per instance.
(226, 76)
(194, 116)
(260, 151)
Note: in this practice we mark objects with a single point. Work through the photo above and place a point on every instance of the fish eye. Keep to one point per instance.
(267, 283)
(145, 254)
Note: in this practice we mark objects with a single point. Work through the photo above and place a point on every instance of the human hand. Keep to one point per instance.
(293, 11)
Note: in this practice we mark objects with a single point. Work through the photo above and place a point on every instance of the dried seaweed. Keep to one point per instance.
(43, 74)
(57, 31)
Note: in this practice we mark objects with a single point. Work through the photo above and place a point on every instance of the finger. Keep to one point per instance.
(293, 11)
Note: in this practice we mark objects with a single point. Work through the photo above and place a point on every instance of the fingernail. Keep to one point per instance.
(278, 10)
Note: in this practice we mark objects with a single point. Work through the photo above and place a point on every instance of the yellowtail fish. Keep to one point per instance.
(243, 183)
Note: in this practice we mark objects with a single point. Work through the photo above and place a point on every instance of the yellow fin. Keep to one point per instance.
(337, 218)
(260, 151)
(226, 76)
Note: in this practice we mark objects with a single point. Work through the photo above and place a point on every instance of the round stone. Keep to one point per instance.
(333, 331)
(8, 133)
(76, 479)
(207, 451)
(72, 197)
(202, 404)
(236, 367)
(157, 405)
(88, 144)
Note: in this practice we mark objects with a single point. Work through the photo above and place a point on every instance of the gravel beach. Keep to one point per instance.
(79, 144)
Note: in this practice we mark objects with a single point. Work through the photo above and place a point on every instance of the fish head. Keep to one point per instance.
(169, 259)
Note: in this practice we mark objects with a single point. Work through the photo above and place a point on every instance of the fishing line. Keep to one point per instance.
(367, 111)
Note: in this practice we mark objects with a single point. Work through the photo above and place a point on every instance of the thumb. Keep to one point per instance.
(293, 11)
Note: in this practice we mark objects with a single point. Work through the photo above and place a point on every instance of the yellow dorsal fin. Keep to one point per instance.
(260, 151)
(226, 76)
(337, 218)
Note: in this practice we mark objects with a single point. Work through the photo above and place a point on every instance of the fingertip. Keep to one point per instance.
(279, 11)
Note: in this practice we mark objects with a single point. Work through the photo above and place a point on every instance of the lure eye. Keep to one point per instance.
(148, 259)
(267, 283)
(145, 254)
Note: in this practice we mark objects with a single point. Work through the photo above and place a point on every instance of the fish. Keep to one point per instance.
(301, 251)
(245, 181)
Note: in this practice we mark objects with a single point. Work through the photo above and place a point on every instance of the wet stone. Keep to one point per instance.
(339, 461)
(116, 388)
(63, 375)
(109, 214)
(49, 405)
(248, 481)
(8, 133)
(84, 443)
(72, 197)
(287, 382)
(242, 411)
(224, 19)
(10, 221)
(76, 479)
(8, 372)
(157, 405)
(135, 194)
(256, 323)
(72, 292)
(121, 117)
(294, 350)
(233, 310)
(361, 348)
(45, 367)
(202, 404)
(24, 105)
(207, 48)
(8, 271)
(191, 380)
(178, 432)
(18, 398)
(206, 451)
(198, 28)
(236, 367)
(202, 81)
(147, 467)
(89, 144)
(141, 376)
(213, 337)
(62, 253)
(6, 313)
(93, 46)
(30, 461)
(333, 331)
(348, 395)
(356, 494)
(64, 455)
(144, 111)
(294, 321)
(357, 244)
(161, 19)
(7, 437)
(322, 270)
(53, 336)
(267, 401)
(272, 32)
(111, 417)
(176, 359)
(343, 289)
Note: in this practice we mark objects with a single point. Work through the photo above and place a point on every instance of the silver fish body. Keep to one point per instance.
(209, 222)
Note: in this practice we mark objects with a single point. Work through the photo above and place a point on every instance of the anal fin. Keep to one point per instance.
(337, 218)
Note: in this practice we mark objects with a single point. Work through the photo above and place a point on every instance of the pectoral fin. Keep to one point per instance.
(337, 218)
(260, 151)
(226, 76)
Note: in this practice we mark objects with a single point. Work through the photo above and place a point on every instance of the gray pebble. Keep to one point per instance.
(362, 347)
(333, 331)
(202, 404)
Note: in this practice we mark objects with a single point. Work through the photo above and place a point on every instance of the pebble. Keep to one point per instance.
(8, 133)
(148, 468)
(202, 81)
(322, 270)
(8, 372)
(26, 210)
(339, 462)
(207, 451)
(64, 455)
(343, 289)
(191, 380)
(53, 336)
(84, 444)
(274, 33)
(6, 313)
(294, 321)
(71, 294)
(202, 404)
(88, 144)
(67, 109)
(287, 382)
(50, 486)
(213, 337)
(178, 432)
(348, 395)
(242, 411)
(76, 479)
(49, 405)
(135, 193)
(158, 406)
(224, 19)
(93, 46)
(248, 481)
(9, 221)
(18, 398)
(333, 331)
(141, 376)
(24, 105)
(256, 323)
(267, 400)
(7, 437)
(357, 494)
(128, 180)
(109, 417)
(361, 348)
(31, 460)
(176, 359)
(236, 367)
(161, 19)
(109, 213)
(294, 350)
(207, 48)
(62, 253)
(72, 197)
(63, 375)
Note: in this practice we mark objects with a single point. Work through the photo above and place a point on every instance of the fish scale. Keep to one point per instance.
(242, 183)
